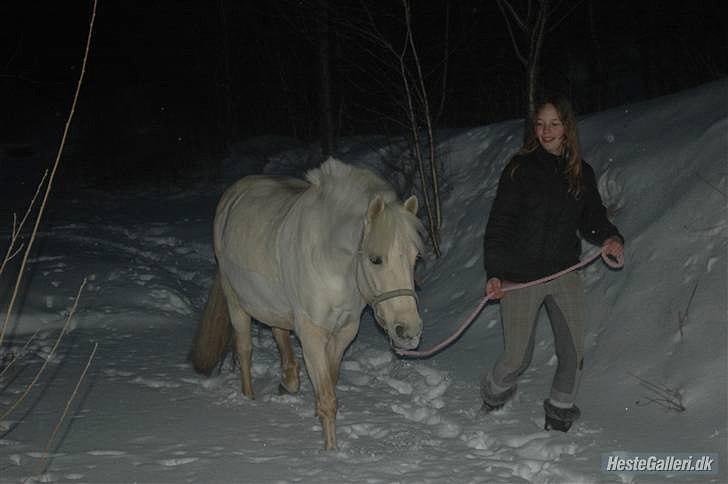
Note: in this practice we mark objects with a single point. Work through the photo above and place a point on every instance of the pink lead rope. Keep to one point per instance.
(613, 262)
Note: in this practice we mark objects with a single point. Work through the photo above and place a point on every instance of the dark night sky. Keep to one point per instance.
(178, 81)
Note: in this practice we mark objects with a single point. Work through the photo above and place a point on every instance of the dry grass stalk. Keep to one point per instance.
(44, 460)
(18, 228)
(47, 192)
(49, 357)
(682, 317)
(15, 356)
(666, 397)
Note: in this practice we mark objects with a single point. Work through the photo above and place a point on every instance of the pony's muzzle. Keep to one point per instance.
(399, 317)
(406, 335)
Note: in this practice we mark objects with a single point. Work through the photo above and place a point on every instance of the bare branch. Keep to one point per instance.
(433, 218)
(566, 14)
(403, 79)
(516, 48)
(517, 18)
(446, 63)
(559, 3)
(379, 35)
(434, 168)
(392, 119)
(723, 193)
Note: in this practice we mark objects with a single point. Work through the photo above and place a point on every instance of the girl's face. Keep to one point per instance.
(550, 130)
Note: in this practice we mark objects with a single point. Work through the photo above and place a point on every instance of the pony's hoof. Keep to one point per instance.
(282, 390)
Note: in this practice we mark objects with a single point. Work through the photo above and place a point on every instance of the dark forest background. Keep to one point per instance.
(171, 85)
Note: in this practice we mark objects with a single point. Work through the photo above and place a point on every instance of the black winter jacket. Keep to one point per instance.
(533, 224)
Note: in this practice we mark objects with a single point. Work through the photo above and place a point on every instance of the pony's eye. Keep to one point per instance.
(375, 259)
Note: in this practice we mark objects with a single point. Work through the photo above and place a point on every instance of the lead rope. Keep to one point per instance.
(611, 261)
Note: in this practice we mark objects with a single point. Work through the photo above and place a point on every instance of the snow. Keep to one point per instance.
(143, 415)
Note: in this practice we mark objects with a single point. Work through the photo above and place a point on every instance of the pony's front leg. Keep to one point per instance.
(337, 344)
(314, 343)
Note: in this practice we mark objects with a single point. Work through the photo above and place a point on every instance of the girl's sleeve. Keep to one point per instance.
(594, 225)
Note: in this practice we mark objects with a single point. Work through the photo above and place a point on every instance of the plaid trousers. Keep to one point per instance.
(563, 298)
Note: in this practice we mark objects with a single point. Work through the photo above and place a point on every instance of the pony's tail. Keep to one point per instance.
(213, 332)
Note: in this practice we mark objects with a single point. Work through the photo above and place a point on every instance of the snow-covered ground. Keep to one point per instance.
(143, 415)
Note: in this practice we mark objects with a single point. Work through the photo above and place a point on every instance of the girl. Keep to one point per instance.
(546, 195)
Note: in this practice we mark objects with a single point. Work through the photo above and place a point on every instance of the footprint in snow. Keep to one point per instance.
(167, 300)
(113, 372)
(356, 431)
(154, 383)
(546, 449)
(177, 461)
(111, 453)
(400, 386)
(479, 440)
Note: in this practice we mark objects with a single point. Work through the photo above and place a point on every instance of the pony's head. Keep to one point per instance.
(385, 268)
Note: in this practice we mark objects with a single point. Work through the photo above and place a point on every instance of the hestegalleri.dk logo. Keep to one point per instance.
(660, 463)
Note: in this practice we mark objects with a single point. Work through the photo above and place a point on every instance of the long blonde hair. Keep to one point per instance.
(572, 151)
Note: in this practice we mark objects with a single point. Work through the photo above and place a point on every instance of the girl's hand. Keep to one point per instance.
(493, 288)
(614, 248)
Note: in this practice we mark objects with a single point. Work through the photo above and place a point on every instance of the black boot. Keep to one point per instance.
(495, 402)
(558, 418)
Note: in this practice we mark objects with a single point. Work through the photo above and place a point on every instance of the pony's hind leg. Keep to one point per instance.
(289, 365)
(241, 323)
(244, 348)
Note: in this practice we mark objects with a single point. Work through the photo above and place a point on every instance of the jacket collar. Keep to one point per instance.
(549, 159)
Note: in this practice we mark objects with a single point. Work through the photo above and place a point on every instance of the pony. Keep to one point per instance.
(307, 256)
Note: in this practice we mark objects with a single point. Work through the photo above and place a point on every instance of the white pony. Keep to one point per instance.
(308, 256)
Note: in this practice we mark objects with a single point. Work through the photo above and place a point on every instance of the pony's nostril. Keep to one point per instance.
(399, 331)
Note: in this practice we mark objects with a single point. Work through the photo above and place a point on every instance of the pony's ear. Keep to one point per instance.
(376, 207)
(411, 204)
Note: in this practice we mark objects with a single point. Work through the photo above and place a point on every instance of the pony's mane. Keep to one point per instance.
(351, 189)
(347, 186)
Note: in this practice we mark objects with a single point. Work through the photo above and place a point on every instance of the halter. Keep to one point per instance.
(392, 294)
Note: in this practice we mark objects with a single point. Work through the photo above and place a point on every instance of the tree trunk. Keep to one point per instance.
(598, 72)
(228, 109)
(531, 76)
(326, 125)
(532, 69)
